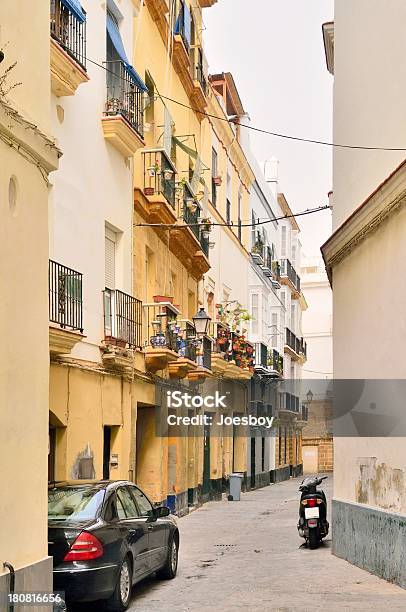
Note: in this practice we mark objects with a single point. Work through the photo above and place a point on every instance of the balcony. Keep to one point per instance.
(122, 329)
(268, 362)
(289, 403)
(172, 341)
(233, 356)
(65, 308)
(68, 48)
(207, 3)
(189, 240)
(203, 359)
(156, 202)
(123, 121)
(292, 345)
(199, 73)
(303, 416)
(289, 277)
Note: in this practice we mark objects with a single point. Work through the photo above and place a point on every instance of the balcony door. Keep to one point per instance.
(110, 283)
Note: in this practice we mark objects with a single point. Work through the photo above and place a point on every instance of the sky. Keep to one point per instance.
(275, 51)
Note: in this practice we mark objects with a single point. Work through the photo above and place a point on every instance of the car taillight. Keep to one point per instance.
(311, 502)
(85, 547)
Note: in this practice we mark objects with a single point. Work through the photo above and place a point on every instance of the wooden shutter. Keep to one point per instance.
(110, 260)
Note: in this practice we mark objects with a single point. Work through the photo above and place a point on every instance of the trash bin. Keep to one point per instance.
(235, 487)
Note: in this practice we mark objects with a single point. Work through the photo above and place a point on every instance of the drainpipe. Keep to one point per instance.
(10, 568)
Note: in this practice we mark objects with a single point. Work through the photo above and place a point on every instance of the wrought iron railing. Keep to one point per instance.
(205, 243)
(207, 351)
(305, 413)
(68, 31)
(65, 296)
(124, 96)
(198, 71)
(122, 318)
(275, 361)
(293, 342)
(261, 355)
(288, 271)
(191, 211)
(289, 402)
(159, 175)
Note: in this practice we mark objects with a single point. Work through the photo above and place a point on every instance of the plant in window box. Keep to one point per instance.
(181, 184)
(114, 106)
(154, 170)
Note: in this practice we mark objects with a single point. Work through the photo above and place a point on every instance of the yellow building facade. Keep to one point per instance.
(28, 156)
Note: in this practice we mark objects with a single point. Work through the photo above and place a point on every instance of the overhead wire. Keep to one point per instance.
(262, 130)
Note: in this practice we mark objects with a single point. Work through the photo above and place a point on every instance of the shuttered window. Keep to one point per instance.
(274, 330)
(283, 241)
(110, 259)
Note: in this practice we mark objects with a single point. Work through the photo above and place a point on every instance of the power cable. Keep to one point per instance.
(175, 225)
(261, 130)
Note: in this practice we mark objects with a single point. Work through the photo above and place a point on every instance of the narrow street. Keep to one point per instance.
(248, 555)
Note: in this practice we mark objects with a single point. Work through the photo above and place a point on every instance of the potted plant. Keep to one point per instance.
(217, 180)
(154, 170)
(168, 174)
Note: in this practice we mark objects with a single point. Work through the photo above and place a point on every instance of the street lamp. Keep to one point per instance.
(309, 396)
(201, 322)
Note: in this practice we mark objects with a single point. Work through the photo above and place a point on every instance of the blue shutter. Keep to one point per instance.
(116, 40)
(74, 7)
(187, 21)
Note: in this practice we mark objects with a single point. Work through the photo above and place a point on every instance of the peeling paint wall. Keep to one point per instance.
(381, 485)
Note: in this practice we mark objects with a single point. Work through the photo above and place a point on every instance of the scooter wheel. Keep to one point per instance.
(314, 538)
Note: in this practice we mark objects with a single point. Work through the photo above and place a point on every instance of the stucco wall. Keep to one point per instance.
(369, 82)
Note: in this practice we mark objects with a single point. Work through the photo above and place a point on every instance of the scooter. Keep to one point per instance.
(313, 525)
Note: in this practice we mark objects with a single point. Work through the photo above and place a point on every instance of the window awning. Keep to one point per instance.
(75, 8)
(116, 40)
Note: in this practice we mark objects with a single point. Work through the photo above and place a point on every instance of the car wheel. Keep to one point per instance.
(120, 599)
(168, 572)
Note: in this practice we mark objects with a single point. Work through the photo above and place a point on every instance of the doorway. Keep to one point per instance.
(253, 447)
(106, 451)
(310, 456)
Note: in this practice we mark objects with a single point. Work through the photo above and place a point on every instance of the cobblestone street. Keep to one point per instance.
(248, 555)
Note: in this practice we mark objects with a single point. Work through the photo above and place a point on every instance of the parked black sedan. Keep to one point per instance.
(106, 536)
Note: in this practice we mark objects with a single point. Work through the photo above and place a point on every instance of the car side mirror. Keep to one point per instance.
(162, 511)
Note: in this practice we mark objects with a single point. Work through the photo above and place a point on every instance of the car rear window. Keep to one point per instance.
(74, 504)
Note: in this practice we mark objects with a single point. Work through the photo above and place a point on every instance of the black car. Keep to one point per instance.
(106, 536)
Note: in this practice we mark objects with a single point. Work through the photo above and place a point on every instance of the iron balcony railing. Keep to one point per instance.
(122, 318)
(191, 211)
(65, 296)
(261, 355)
(288, 271)
(275, 361)
(124, 96)
(293, 341)
(159, 175)
(198, 68)
(290, 402)
(68, 31)
(305, 413)
(205, 243)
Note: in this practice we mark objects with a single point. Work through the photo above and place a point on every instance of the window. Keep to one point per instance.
(254, 313)
(74, 504)
(294, 255)
(110, 259)
(292, 317)
(228, 212)
(239, 215)
(214, 175)
(253, 231)
(283, 241)
(274, 330)
(143, 504)
(120, 510)
(125, 498)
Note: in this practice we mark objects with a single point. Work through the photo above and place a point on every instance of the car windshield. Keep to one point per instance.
(74, 504)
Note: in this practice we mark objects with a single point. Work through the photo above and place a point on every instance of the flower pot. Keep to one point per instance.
(168, 174)
(162, 298)
(149, 191)
(218, 181)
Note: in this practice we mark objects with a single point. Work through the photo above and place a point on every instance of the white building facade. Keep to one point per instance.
(367, 247)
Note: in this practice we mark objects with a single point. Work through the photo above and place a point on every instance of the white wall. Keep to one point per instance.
(369, 86)
(93, 185)
(317, 320)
